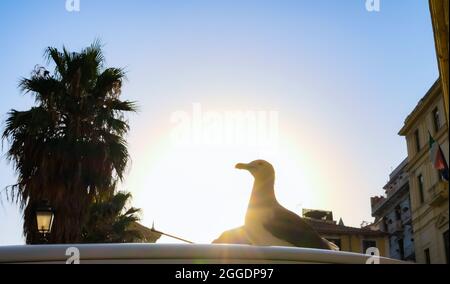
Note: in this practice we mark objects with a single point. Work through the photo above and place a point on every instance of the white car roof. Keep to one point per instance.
(179, 254)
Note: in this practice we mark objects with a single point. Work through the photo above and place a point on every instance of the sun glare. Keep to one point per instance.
(196, 193)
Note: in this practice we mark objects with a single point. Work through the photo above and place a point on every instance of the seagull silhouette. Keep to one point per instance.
(267, 223)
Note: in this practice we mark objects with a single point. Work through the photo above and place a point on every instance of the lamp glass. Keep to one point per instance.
(44, 221)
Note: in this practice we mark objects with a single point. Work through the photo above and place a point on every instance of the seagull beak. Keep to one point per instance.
(242, 166)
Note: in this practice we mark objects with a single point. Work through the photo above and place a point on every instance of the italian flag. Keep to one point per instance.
(437, 158)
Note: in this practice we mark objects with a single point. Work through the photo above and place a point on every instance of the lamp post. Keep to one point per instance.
(44, 219)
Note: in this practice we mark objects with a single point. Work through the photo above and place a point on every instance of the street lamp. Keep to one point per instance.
(44, 218)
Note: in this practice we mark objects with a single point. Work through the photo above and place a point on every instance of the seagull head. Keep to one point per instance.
(260, 169)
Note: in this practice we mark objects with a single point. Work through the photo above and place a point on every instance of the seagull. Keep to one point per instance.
(267, 223)
(233, 236)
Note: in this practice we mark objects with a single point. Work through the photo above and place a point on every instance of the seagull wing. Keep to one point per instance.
(288, 226)
(234, 236)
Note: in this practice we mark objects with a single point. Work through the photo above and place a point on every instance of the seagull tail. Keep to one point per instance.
(331, 245)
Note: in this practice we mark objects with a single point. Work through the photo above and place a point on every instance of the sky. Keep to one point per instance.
(326, 86)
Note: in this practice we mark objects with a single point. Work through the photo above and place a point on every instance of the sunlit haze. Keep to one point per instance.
(330, 82)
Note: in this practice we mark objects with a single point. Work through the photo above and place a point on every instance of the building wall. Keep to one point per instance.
(408, 231)
(429, 221)
(408, 243)
(405, 233)
(440, 21)
(406, 214)
(393, 214)
(354, 243)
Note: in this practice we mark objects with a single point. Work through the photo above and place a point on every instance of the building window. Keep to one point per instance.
(440, 176)
(446, 240)
(420, 182)
(427, 256)
(368, 244)
(436, 119)
(398, 213)
(401, 248)
(417, 140)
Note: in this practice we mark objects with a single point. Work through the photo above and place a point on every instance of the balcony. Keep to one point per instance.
(378, 203)
(438, 194)
(398, 226)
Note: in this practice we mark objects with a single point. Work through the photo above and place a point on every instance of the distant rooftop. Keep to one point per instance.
(332, 228)
(322, 221)
(398, 168)
(318, 214)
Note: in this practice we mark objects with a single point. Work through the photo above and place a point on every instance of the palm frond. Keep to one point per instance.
(69, 148)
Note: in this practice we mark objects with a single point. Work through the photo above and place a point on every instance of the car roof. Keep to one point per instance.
(179, 253)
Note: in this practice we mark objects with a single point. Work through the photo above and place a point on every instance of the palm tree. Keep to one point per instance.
(110, 221)
(70, 147)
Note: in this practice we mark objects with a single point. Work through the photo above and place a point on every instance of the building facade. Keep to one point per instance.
(392, 214)
(440, 21)
(349, 239)
(428, 191)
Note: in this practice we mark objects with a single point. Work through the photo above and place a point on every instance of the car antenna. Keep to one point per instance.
(169, 235)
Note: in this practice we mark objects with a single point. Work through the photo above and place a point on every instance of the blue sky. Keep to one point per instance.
(342, 79)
